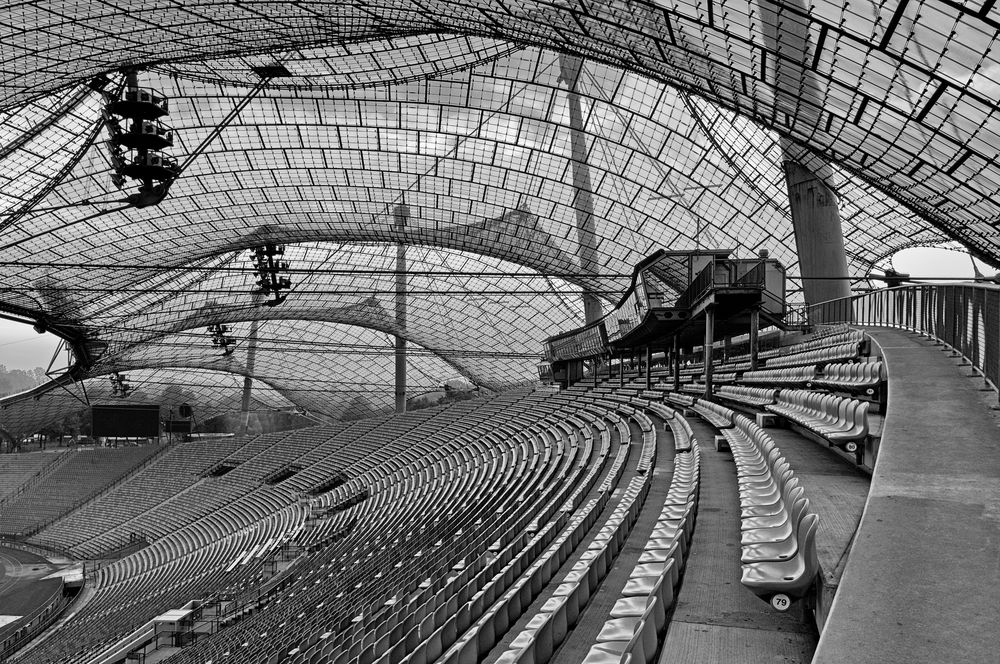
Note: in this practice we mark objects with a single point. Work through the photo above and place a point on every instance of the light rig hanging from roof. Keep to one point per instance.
(137, 137)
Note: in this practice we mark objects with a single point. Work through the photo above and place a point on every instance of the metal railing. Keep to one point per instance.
(754, 277)
(965, 317)
(700, 285)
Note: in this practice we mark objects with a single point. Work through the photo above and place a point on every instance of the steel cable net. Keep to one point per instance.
(475, 136)
(901, 92)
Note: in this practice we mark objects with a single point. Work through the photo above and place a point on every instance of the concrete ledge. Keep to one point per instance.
(765, 420)
(922, 580)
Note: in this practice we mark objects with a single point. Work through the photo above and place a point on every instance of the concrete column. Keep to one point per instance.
(754, 336)
(621, 370)
(677, 364)
(819, 237)
(649, 368)
(709, 335)
(401, 214)
(569, 73)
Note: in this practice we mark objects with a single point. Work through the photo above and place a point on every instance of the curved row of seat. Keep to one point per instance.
(778, 532)
(755, 397)
(792, 376)
(842, 421)
(846, 336)
(485, 635)
(549, 627)
(307, 651)
(822, 356)
(852, 377)
(718, 416)
(351, 646)
(638, 617)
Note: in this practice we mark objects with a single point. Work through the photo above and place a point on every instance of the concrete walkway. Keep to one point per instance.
(922, 583)
(716, 620)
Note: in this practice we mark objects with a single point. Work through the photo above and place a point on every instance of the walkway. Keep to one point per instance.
(716, 620)
(923, 579)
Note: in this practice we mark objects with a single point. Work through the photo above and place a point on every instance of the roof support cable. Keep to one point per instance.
(226, 121)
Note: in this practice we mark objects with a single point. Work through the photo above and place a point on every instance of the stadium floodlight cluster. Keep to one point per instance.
(137, 137)
(269, 272)
(120, 387)
(220, 338)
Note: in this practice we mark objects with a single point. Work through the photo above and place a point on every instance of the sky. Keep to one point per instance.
(23, 348)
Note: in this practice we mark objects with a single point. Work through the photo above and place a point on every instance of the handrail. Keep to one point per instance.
(966, 317)
(753, 277)
(699, 286)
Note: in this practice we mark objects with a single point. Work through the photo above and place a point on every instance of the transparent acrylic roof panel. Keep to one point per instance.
(459, 305)
(667, 170)
(904, 93)
(339, 371)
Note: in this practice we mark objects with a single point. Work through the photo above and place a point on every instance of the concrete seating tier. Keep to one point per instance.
(20, 468)
(263, 495)
(793, 376)
(778, 532)
(171, 492)
(718, 416)
(80, 476)
(638, 618)
(547, 628)
(842, 421)
(754, 397)
(171, 473)
(529, 471)
(679, 399)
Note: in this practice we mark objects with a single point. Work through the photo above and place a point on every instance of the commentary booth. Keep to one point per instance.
(676, 299)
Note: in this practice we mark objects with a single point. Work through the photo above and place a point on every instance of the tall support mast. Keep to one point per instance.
(401, 214)
(819, 235)
(583, 202)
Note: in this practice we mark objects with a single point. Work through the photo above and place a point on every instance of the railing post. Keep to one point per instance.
(709, 338)
(649, 367)
(677, 364)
